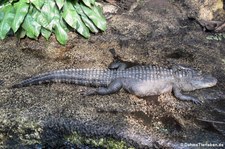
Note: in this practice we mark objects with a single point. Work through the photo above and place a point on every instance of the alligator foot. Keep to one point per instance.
(217, 26)
(195, 100)
(88, 92)
(179, 95)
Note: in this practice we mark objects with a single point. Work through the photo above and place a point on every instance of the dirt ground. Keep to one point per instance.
(143, 31)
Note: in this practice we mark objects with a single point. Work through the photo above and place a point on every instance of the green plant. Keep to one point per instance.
(217, 37)
(33, 18)
(108, 143)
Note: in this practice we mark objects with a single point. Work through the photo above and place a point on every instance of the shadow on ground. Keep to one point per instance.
(147, 32)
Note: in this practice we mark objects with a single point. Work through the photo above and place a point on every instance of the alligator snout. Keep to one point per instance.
(203, 81)
(208, 81)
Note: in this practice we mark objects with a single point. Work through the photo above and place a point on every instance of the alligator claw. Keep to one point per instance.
(196, 101)
(88, 92)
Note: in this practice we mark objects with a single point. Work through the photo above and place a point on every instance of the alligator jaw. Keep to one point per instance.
(205, 82)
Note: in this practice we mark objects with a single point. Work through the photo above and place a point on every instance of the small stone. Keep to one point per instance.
(109, 8)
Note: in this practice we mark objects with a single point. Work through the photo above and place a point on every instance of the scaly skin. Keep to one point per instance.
(1, 82)
(139, 80)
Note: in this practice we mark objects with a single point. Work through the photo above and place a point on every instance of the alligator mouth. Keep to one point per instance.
(205, 82)
(209, 81)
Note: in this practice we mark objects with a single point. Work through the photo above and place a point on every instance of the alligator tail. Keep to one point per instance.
(91, 77)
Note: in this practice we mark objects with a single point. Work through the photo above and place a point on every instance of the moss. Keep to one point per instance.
(108, 143)
(223, 60)
(217, 37)
(21, 131)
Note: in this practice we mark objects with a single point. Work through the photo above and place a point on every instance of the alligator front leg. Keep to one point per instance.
(118, 64)
(113, 87)
(177, 93)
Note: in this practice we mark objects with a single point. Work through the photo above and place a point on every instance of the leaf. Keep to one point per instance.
(47, 9)
(82, 29)
(35, 13)
(21, 33)
(86, 20)
(89, 24)
(41, 19)
(210, 37)
(34, 17)
(63, 24)
(31, 27)
(96, 16)
(2, 2)
(60, 3)
(46, 33)
(38, 3)
(69, 14)
(50, 18)
(21, 8)
(6, 21)
(61, 34)
(87, 3)
(1, 14)
(92, 2)
(48, 14)
(31, 8)
(73, 19)
(98, 11)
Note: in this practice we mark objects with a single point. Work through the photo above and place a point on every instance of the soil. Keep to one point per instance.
(148, 32)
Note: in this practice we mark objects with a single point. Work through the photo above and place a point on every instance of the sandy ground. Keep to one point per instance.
(147, 32)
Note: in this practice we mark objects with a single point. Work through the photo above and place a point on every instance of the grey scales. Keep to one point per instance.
(138, 80)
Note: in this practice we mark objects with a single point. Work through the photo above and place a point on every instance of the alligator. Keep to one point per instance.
(138, 80)
(1, 82)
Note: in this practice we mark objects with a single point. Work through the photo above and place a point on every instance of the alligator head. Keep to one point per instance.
(197, 80)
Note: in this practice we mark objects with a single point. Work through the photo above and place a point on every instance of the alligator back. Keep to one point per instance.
(99, 77)
(148, 73)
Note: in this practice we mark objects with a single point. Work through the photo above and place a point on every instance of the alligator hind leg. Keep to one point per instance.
(113, 87)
